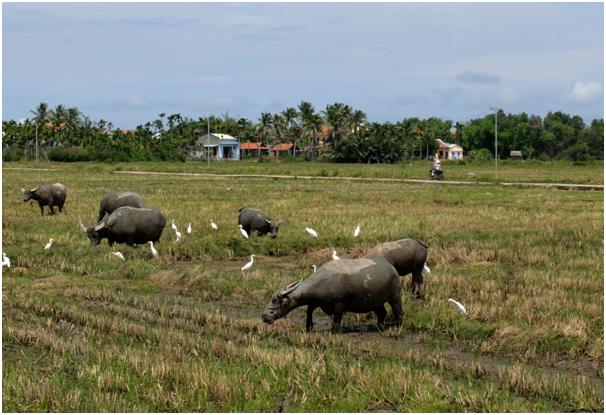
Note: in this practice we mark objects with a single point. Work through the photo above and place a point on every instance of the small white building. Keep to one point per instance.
(448, 151)
(222, 146)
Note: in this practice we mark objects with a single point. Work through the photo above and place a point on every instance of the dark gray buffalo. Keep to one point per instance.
(114, 200)
(47, 195)
(128, 225)
(346, 285)
(407, 256)
(255, 221)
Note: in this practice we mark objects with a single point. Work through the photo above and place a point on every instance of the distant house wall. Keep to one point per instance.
(447, 151)
(223, 147)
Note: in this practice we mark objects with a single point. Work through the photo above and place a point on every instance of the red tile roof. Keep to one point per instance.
(282, 147)
(253, 146)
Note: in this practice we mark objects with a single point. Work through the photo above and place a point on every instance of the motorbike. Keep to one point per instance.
(436, 172)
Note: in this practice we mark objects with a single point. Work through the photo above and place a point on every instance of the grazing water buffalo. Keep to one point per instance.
(114, 200)
(253, 220)
(128, 225)
(355, 285)
(406, 255)
(47, 195)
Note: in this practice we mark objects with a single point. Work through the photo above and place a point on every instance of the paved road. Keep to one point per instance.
(563, 186)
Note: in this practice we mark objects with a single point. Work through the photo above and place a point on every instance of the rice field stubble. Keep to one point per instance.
(84, 331)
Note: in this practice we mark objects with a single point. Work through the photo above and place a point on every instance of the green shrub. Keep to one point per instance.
(69, 154)
(12, 154)
(480, 154)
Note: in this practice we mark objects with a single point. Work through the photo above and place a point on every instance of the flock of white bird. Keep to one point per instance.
(460, 308)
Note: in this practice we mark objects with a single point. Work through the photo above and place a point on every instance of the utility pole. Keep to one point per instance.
(36, 141)
(208, 139)
(496, 154)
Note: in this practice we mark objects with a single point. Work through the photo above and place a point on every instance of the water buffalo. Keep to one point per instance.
(407, 256)
(47, 195)
(128, 225)
(114, 200)
(253, 220)
(347, 285)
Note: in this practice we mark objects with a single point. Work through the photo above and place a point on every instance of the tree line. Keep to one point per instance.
(338, 133)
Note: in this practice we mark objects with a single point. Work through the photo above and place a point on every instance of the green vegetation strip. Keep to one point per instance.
(444, 182)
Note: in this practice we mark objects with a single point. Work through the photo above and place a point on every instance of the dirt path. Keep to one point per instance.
(561, 186)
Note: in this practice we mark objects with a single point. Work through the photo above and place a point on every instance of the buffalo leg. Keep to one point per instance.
(336, 318)
(309, 323)
(396, 307)
(60, 208)
(417, 282)
(381, 313)
(52, 210)
(41, 209)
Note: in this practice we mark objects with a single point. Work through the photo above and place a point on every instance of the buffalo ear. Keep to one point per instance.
(22, 190)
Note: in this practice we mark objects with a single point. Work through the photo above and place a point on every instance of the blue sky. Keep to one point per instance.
(128, 62)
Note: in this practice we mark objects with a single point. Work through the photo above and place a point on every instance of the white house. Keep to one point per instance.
(448, 151)
(222, 146)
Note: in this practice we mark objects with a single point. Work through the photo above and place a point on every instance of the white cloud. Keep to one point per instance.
(585, 92)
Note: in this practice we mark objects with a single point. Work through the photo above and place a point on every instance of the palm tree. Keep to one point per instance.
(58, 116)
(339, 118)
(308, 121)
(264, 126)
(41, 113)
(290, 117)
(72, 118)
(279, 124)
(358, 118)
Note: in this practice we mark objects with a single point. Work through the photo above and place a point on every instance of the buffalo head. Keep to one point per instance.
(95, 233)
(29, 194)
(281, 303)
(273, 226)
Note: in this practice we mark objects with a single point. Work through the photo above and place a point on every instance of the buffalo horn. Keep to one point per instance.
(290, 288)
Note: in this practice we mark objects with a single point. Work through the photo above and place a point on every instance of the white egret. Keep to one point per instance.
(119, 255)
(426, 268)
(334, 256)
(153, 250)
(314, 267)
(189, 228)
(178, 235)
(460, 307)
(213, 225)
(5, 260)
(357, 231)
(172, 225)
(248, 264)
(243, 232)
(49, 244)
(312, 232)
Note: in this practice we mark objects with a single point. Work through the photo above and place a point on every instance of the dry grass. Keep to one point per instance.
(84, 331)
